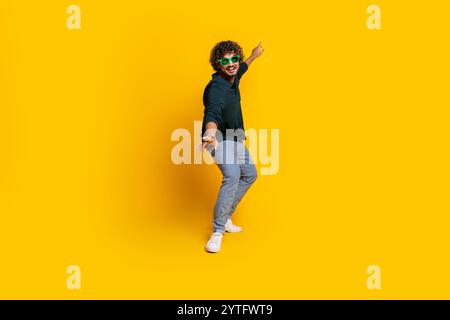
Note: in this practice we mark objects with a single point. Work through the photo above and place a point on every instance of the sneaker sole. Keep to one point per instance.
(233, 231)
(211, 251)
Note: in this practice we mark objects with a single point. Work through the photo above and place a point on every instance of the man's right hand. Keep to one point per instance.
(209, 140)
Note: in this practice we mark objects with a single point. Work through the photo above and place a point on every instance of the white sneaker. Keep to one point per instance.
(230, 227)
(215, 242)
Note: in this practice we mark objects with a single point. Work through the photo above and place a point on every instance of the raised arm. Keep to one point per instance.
(256, 52)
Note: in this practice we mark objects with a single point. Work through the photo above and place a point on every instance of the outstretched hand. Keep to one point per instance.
(258, 50)
(207, 140)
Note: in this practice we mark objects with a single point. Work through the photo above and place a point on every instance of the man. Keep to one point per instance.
(223, 134)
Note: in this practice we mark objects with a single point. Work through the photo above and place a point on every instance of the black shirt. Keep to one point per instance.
(222, 101)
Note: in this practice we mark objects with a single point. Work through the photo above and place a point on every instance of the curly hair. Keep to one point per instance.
(221, 49)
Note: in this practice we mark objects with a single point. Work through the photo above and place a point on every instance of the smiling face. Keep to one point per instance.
(231, 68)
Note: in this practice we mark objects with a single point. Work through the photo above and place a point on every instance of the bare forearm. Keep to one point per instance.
(209, 137)
(249, 60)
(256, 52)
(210, 129)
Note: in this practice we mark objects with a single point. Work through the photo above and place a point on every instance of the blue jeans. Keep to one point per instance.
(238, 174)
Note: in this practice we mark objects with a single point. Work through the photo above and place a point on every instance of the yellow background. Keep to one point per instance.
(86, 176)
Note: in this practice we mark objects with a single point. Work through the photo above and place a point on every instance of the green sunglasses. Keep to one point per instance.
(225, 61)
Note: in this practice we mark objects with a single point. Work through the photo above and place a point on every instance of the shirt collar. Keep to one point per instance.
(216, 76)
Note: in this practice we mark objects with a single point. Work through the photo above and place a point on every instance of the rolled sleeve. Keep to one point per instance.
(242, 69)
